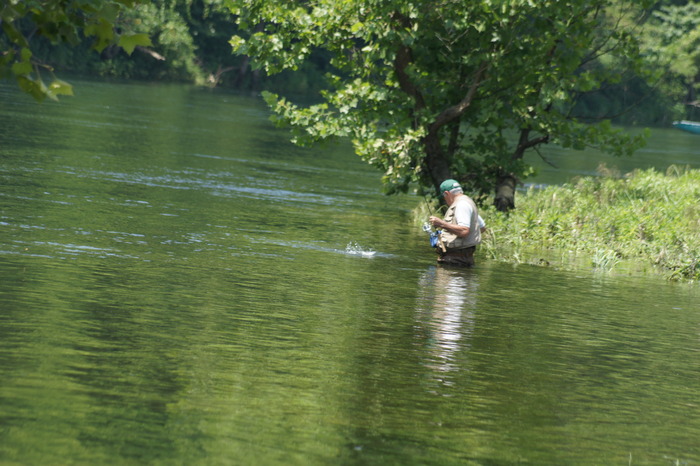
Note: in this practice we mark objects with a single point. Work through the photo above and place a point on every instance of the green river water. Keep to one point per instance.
(181, 286)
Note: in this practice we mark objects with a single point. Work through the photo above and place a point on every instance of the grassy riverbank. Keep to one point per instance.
(645, 220)
(642, 218)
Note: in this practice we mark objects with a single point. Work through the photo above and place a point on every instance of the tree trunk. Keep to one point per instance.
(505, 193)
(505, 185)
(242, 72)
(435, 161)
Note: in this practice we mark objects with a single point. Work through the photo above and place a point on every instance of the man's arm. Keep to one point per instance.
(482, 224)
(458, 230)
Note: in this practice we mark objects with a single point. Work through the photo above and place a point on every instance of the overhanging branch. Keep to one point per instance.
(525, 143)
(457, 110)
(403, 59)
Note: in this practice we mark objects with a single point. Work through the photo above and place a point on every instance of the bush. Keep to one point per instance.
(642, 216)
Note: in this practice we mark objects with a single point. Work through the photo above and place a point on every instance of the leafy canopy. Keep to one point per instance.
(59, 22)
(433, 88)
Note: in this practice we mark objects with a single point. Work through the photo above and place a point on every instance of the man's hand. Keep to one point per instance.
(457, 230)
(436, 222)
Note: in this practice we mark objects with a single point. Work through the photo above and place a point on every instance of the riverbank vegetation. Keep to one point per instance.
(644, 220)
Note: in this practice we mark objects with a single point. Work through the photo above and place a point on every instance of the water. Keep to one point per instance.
(665, 147)
(179, 285)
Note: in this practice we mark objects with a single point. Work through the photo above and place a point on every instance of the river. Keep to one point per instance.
(180, 285)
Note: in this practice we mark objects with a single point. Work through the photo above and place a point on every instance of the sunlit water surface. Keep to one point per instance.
(179, 285)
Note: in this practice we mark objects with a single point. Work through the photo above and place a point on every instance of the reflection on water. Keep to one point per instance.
(446, 307)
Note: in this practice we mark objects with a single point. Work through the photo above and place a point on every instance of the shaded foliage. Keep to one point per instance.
(27, 24)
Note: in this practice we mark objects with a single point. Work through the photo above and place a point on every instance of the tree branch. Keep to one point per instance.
(404, 58)
(457, 110)
(525, 143)
(454, 138)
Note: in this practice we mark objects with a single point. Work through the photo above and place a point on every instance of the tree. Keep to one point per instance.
(67, 21)
(435, 89)
(672, 35)
(190, 42)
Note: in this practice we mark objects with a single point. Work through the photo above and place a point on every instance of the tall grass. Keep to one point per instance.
(644, 217)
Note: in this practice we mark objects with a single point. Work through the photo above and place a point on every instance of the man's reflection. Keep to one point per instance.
(447, 300)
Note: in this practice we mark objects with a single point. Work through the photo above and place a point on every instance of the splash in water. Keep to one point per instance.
(357, 250)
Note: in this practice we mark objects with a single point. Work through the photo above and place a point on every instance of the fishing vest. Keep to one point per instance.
(451, 240)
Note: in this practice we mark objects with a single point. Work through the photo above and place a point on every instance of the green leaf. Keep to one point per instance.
(103, 32)
(110, 12)
(31, 87)
(46, 91)
(237, 43)
(129, 42)
(26, 54)
(269, 98)
(59, 87)
(22, 68)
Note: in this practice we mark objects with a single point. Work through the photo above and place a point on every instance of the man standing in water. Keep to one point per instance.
(461, 228)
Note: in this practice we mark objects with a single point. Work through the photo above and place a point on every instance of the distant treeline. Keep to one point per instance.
(190, 43)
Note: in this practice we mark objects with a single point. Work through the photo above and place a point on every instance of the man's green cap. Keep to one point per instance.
(449, 185)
